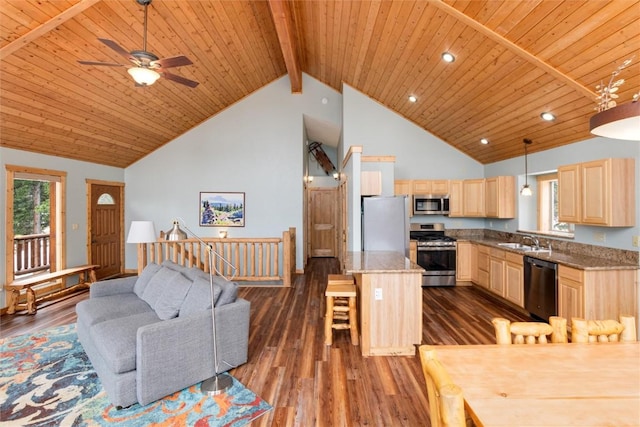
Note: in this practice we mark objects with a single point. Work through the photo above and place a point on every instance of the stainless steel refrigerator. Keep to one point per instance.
(385, 224)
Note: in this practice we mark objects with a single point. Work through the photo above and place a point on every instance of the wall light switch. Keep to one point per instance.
(74, 226)
(635, 241)
(378, 294)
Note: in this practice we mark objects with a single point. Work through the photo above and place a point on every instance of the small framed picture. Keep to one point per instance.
(221, 209)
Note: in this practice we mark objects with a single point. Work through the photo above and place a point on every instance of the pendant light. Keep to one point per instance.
(526, 190)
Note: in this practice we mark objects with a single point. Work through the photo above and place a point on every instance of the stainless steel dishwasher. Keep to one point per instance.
(540, 288)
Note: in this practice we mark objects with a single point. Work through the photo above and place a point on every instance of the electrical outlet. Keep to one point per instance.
(506, 225)
(490, 223)
(378, 294)
(74, 226)
(600, 237)
(635, 241)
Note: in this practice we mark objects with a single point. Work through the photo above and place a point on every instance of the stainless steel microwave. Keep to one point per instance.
(431, 204)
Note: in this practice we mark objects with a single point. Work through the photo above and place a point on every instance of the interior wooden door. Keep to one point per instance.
(323, 220)
(106, 229)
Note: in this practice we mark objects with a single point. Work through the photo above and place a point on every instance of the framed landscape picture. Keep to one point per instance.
(221, 209)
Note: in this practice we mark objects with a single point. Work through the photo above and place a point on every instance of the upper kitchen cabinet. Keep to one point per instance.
(473, 197)
(403, 187)
(370, 183)
(600, 192)
(500, 200)
(431, 186)
(455, 198)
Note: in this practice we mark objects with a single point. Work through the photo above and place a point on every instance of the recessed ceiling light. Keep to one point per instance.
(547, 116)
(484, 141)
(448, 57)
(412, 98)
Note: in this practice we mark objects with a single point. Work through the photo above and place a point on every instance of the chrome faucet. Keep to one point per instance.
(534, 240)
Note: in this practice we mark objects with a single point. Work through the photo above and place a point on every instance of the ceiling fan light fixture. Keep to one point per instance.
(144, 76)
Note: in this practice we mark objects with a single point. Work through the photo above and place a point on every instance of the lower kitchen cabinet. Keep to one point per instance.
(596, 294)
(496, 271)
(514, 278)
(483, 266)
(464, 256)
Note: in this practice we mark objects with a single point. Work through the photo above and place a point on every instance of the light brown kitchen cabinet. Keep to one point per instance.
(600, 192)
(431, 186)
(455, 198)
(413, 251)
(483, 266)
(473, 202)
(596, 294)
(500, 200)
(370, 183)
(496, 271)
(403, 187)
(514, 278)
(569, 193)
(463, 261)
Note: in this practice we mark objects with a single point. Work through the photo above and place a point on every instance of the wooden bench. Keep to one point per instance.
(14, 288)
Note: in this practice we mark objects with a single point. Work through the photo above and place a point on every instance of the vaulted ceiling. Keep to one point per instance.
(514, 60)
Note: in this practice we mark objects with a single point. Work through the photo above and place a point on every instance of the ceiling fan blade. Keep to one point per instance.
(174, 61)
(179, 79)
(106, 64)
(115, 46)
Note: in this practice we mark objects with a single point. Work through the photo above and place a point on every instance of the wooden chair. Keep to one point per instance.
(589, 331)
(446, 404)
(530, 332)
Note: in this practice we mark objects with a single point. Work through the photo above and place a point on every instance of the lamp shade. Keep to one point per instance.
(141, 232)
(176, 233)
(620, 122)
(144, 76)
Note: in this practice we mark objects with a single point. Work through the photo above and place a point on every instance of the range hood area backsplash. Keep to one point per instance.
(621, 255)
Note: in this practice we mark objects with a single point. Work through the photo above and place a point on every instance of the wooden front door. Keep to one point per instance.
(323, 208)
(106, 229)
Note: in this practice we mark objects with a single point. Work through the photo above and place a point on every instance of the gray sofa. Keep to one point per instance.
(151, 335)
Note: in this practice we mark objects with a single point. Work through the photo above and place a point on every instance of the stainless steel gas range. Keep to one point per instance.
(436, 254)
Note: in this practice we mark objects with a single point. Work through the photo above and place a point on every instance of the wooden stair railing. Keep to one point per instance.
(267, 259)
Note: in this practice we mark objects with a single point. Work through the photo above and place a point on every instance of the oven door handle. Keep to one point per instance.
(435, 248)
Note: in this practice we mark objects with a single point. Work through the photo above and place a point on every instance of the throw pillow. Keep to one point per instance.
(229, 291)
(171, 299)
(157, 285)
(149, 271)
(199, 297)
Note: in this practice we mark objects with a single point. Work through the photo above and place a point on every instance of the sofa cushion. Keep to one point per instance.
(176, 267)
(170, 301)
(158, 283)
(96, 310)
(229, 291)
(115, 339)
(199, 296)
(149, 271)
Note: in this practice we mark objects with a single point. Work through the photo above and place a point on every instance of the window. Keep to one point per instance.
(548, 221)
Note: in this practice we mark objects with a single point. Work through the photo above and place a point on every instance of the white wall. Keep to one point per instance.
(255, 146)
(76, 208)
(549, 160)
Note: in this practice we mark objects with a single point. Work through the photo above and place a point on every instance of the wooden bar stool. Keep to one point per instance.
(341, 310)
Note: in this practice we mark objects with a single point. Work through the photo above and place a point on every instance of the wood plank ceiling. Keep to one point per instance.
(514, 60)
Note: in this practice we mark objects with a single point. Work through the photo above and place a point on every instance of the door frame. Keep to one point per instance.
(120, 185)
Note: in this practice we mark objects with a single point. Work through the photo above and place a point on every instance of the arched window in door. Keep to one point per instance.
(106, 199)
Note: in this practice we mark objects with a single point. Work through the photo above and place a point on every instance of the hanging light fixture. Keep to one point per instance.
(612, 120)
(526, 190)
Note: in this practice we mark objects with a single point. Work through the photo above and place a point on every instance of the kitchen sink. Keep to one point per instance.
(524, 248)
(518, 246)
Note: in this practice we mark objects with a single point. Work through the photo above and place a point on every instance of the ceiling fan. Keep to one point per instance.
(147, 67)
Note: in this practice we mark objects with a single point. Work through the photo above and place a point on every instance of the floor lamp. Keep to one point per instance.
(219, 383)
(141, 232)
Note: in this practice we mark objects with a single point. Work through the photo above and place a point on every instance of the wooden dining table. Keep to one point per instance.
(547, 385)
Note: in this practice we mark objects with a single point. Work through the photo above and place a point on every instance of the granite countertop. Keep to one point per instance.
(581, 262)
(380, 262)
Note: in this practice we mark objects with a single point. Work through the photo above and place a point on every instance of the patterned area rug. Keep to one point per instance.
(46, 379)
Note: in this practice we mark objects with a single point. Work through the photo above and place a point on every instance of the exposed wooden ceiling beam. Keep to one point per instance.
(46, 27)
(288, 44)
(513, 47)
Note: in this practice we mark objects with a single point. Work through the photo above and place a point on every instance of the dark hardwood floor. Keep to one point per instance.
(310, 384)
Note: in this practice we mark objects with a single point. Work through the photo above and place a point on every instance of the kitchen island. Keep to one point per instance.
(389, 302)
